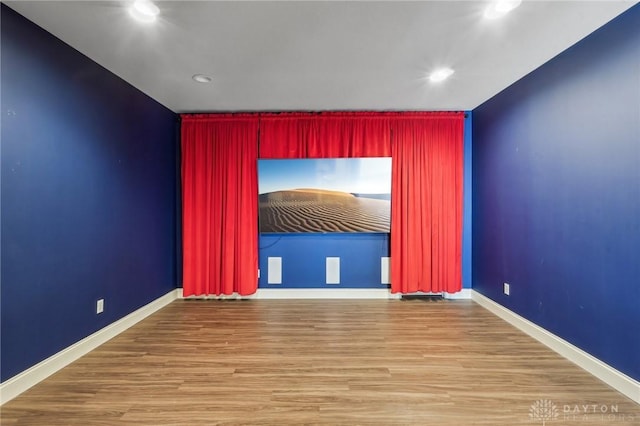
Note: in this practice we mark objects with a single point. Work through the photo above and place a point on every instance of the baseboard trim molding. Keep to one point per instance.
(614, 378)
(32, 376)
(306, 293)
(321, 293)
(464, 294)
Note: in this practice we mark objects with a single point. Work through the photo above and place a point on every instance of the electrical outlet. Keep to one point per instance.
(100, 306)
(506, 288)
(258, 272)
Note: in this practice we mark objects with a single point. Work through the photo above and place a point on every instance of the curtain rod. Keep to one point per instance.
(466, 115)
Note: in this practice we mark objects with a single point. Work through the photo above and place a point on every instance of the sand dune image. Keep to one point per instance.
(315, 210)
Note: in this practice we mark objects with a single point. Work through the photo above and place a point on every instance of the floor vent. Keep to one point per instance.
(424, 297)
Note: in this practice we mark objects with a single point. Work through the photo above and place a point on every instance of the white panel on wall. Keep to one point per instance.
(274, 268)
(333, 270)
(384, 271)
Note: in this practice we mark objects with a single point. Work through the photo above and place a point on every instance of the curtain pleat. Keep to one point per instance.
(220, 204)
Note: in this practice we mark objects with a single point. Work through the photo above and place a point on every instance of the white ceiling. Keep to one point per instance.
(320, 55)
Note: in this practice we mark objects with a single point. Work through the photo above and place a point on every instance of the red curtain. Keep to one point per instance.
(325, 135)
(219, 154)
(426, 202)
(220, 204)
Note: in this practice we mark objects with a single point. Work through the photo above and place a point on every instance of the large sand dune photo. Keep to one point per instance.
(317, 210)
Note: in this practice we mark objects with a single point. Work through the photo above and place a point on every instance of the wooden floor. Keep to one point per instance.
(337, 362)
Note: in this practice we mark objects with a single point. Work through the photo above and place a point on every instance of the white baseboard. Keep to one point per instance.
(614, 378)
(465, 293)
(308, 293)
(28, 378)
(321, 293)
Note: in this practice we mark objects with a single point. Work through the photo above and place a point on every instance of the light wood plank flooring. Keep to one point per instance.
(337, 362)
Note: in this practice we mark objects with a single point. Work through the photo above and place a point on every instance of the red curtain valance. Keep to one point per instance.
(219, 155)
(324, 135)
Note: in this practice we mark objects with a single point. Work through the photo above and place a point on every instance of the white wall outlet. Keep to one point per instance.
(506, 288)
(100, 306)
(258, 272)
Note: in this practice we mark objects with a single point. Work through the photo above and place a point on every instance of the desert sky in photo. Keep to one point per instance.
(353, 175)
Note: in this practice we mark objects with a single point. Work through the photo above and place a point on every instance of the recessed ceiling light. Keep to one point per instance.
(201, 78)
(440, 75)
(144, 11)
(499, 8)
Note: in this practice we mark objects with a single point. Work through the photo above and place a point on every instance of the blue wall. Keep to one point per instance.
(303, 255)
(88, 196)
(556, 195)
(303, 259)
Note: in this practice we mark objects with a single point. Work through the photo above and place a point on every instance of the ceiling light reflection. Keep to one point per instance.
(440, 75)
(500, 8)
(144, 11)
